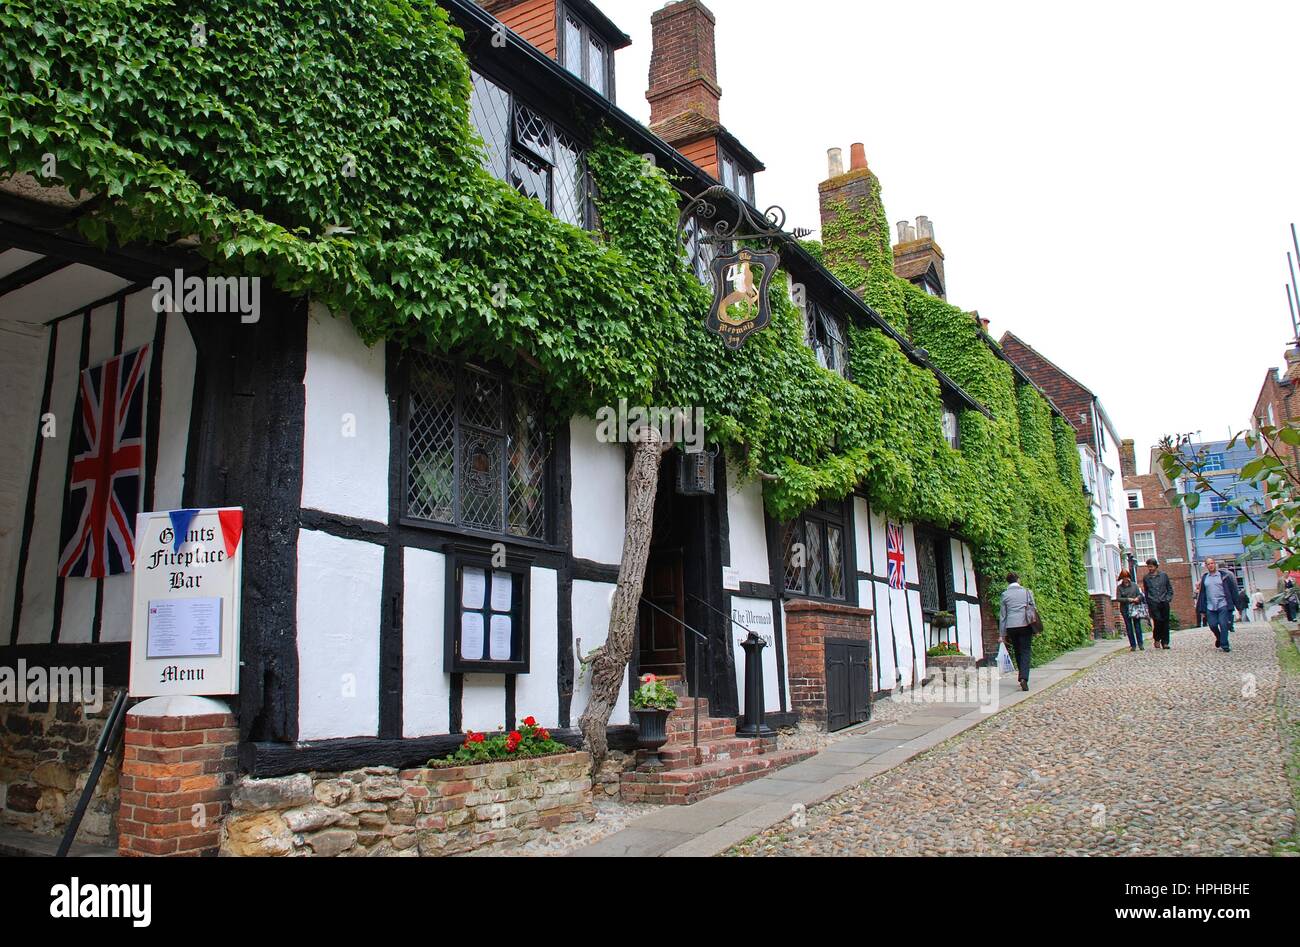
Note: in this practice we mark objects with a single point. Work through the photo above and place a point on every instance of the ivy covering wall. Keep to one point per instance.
(325, 146)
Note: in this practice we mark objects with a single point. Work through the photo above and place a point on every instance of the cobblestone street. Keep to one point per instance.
(1148, 753)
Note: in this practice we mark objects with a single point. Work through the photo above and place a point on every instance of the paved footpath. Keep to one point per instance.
(1033, 746)
(1153, 753)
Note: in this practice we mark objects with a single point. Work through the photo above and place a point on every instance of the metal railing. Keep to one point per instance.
(694, 682)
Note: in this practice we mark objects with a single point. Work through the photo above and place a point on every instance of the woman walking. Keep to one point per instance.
(1015, 626)
(1130, 598)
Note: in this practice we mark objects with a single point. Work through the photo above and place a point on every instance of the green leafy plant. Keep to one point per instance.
(529, 740)
(653, 694)
(943, 620)
(1275, 471)
(944, 649)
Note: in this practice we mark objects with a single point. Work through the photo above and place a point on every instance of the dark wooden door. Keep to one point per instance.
(663, 645)
(848, 683)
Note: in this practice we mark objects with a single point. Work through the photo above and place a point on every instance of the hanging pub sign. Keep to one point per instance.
(185, 609)
(743, 271)
(740, 306)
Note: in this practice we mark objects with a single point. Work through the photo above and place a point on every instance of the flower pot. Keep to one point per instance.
(651, 732)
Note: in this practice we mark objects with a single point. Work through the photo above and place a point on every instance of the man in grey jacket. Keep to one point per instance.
(1013, 625)
(1159, 592)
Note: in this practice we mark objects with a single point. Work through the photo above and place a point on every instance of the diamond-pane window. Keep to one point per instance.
(569, 182)
(527, 151)
(816, 555)
(477, 450)
(489, 113)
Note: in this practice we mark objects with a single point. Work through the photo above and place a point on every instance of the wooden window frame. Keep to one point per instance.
(844, 522)
(459, 557)
(564, 12)
(550, 499)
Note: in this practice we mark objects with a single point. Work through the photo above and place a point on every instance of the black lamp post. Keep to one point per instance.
(754, 726)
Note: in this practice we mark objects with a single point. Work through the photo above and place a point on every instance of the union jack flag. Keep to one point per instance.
(107, 468)
(896, 556)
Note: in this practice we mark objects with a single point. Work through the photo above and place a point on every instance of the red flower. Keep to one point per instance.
(514, 736)
(543, 734)
(529, 722)
(477, 737)
(649, 679)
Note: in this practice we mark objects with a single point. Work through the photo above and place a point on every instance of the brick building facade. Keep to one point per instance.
(1099, 457)
(1157, 529)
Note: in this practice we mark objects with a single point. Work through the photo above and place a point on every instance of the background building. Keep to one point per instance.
(1157, 530)
(1221, 465)
(1099, 456)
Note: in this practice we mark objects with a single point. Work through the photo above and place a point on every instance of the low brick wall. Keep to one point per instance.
(380, 811)
(46, 752)
(807, 626)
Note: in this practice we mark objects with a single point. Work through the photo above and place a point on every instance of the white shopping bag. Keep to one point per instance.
(1004, 659)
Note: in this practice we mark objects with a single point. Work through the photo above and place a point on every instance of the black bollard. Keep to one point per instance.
(754, 727)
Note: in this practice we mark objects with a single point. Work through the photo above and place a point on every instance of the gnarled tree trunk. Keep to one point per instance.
(609, 662)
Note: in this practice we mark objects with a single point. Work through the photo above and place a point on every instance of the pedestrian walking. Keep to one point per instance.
(1018, 624)
(1290, 599)
(1159, 592)
(1219, 598)
(1131, 606)
(1257, 606)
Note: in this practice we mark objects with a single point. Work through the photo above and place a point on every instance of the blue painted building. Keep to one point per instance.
(1221, 465)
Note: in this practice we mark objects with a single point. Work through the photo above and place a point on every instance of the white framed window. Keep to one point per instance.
(1134, 499)
(950, 430)
(1144, 545)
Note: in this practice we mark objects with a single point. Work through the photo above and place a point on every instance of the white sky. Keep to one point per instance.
(1111, 181)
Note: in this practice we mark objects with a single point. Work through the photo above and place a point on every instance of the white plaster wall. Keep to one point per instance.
(862, 535)
(483, 702)
(344, 382)
(747, 528)
(591, 603)
(597, 483)
(426, 686)
(758, 614)
(340, 584)
(537, 693)
(23, 350)
(178, 397)
(36, 623)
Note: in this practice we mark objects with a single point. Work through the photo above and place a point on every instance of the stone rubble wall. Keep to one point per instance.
(46, 752)
(381, 811)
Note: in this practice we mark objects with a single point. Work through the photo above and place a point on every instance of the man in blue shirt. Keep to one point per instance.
(1218, 600)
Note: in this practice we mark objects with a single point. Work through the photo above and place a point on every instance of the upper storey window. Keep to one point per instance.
(733, 175)
(529, 152)
(585, 54)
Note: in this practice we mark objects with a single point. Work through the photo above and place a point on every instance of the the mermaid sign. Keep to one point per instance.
(741, 274)
(740, 306)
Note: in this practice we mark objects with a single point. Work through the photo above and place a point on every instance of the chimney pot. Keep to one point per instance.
(902, 231)
(857, 156)
(924, 229)
(911, 232)
(835, 161)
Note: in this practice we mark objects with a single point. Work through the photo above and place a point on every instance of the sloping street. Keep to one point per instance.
(1147, 753)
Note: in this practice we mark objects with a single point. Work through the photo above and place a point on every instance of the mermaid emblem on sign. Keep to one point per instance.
(740, 305)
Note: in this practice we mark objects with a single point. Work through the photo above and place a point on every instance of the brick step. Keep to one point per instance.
(711, 729)
(686, 708)
(681, 787)
(684, 755)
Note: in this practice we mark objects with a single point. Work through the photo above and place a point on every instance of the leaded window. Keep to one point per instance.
(529, 152)
(948, 424)
(699, 254)
(828, 338)
(477, 450)
(815, 552)
(586, 55)
(733, 175)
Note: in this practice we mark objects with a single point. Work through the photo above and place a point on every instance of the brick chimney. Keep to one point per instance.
(1127, 458)
(854, 194)
(918, 259)
(684, 95)
(683, 63)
